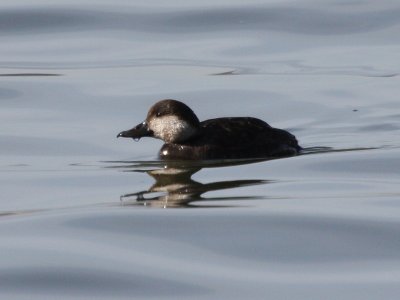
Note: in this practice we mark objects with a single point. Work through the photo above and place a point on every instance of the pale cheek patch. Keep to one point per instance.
(170, 129)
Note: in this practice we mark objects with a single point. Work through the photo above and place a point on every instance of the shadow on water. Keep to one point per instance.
(174, 186)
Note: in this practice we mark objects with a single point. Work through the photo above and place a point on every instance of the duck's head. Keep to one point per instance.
(169, 120)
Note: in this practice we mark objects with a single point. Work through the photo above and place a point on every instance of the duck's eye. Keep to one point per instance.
(158, 114)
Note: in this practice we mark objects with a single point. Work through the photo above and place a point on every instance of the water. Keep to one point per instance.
(84, 215)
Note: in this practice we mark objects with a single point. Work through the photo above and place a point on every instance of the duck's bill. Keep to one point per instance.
(136, 132)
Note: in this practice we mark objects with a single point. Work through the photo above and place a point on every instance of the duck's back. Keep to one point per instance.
(233, 131)
(226, 138)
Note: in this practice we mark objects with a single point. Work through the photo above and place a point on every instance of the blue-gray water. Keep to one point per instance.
(87, 216)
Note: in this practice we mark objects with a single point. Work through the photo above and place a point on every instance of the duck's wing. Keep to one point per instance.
(246, 132)
(233, 130)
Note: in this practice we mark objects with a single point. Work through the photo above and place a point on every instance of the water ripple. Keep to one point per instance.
(297, 20)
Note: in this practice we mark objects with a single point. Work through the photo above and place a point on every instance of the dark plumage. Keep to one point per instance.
(221, 138)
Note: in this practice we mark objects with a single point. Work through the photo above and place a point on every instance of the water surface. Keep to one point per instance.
(84, 215)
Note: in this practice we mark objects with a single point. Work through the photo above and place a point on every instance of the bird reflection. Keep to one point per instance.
(174, 187)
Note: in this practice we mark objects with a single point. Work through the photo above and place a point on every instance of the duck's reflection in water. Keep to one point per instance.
(174, 187)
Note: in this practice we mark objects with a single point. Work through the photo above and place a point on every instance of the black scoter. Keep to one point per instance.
(187, 138)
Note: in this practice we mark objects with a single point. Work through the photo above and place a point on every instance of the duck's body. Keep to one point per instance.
(222, 138)
(231, 138)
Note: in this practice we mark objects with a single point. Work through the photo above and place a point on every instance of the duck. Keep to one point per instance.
(186, 138)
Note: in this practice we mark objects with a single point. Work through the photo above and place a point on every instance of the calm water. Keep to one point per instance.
(84, 215)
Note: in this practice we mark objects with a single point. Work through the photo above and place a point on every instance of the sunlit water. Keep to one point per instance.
(87, 216)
